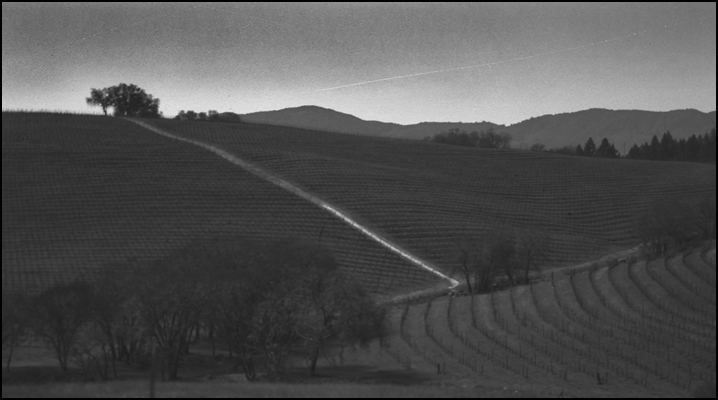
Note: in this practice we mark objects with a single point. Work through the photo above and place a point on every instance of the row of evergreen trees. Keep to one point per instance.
(605, 150)
(701, 148)
(694, 149)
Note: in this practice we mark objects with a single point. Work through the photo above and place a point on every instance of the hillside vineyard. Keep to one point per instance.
(645, 329)
(429, 197)
(79, 192)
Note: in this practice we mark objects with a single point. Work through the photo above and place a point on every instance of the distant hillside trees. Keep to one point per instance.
(126, 101)
(485, 139)
(701, 148)
(605, 150)
(670, 223)
(211, 116)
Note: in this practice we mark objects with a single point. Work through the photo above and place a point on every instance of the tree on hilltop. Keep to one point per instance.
(126, 101)
(99, 97)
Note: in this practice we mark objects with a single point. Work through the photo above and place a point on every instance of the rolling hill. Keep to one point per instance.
(323, 119)
(79, 192)
(619, 126)
(430, 197)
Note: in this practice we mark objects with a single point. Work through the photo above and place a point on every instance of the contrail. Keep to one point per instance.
(491, 64)
(484, 65)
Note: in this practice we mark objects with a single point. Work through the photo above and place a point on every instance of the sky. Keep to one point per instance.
(393, 62)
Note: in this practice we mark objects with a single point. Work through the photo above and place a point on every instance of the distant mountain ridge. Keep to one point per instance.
(621, 127)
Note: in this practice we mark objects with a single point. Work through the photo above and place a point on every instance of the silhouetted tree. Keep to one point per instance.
(667, 149)
(99, 97)
(606, 150)
(634, 153)
(126, 100)
(655, 149)
(190, 115)
(590, 148)
(493, 140)
(579, 151)
(482, 259)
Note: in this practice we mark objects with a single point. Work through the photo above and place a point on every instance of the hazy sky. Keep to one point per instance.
(500, 62)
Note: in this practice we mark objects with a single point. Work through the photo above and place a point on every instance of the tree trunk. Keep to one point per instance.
(315, 357)
(9, 358)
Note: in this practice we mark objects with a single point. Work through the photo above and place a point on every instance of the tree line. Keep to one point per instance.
(263, 301)
(210, 116)
(125, 100)
(501, 257)
(701, 149)
(697, 148)
(484, 139)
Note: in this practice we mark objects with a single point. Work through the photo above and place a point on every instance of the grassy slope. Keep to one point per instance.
(82, 191)
(429, 196)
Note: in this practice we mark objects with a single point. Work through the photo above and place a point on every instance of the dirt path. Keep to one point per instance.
(336, 211)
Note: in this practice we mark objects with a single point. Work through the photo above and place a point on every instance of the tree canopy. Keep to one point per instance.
(485, 139)
(126, 101)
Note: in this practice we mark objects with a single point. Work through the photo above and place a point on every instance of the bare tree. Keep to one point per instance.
(172, 296)
(477, 263)
(57, 315)
(339, 310)
(502, 251)
(533, 247)
(14, 322)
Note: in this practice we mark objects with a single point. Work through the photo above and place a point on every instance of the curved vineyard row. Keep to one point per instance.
(586, 333)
